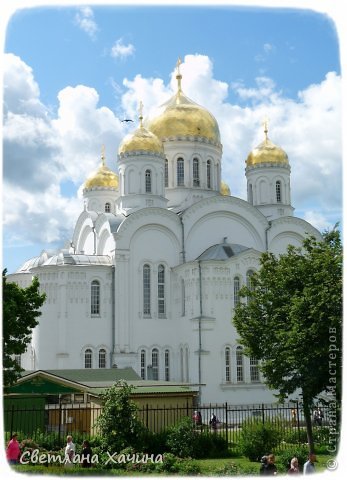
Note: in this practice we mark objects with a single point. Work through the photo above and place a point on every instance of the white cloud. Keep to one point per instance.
(67, 145)
(84, 18)
(120, 50)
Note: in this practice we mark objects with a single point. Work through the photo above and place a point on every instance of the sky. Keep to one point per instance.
(73, 72)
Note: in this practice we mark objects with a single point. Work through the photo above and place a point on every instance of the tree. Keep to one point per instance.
(118, 422)
(292, 320)
(21, 308)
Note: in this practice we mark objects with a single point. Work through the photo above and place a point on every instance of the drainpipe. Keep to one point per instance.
(200, 342)
(266, 236)
(183, 245)
(113, 313)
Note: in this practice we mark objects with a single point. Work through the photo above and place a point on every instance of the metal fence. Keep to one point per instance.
(80, 419)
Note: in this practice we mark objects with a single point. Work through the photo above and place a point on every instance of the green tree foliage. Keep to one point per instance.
(292, 320)
(118, 422)
(258, 439)
(21, 309)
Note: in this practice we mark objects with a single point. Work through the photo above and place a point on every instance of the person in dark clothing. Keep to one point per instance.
(86, 455)
(263, 463)
(270, 468)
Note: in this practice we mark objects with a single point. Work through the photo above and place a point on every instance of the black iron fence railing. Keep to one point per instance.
(60, 420)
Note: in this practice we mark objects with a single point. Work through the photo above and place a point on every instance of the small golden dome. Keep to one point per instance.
(103, 177)
(267, 152)
(224, 188)
(181, 116)
(141, 140)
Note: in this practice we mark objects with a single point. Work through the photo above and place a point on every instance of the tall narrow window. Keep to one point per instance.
(143, 364)
(88, 356)
(166, 173)
(254, 369)
(146, 290)
(239, 364)
(182, 364)
(187, 364)
(278, 192)
(236, 291)
(18, 360)
(102, 358)
(167, 365)
(208, 173)
(227, 365)
(250, 284)
(161, 290)
(250, 194)
(180, 172)
(95, 298)
(107, 207)
(148, 175)
(183, 298)
(196, 174)
(155, 363)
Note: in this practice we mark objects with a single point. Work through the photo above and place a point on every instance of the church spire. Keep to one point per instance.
(178, 75)
(141, 114)
(102, 155)
(266, 128)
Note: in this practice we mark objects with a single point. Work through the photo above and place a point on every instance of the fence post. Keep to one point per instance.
(11, 423)
(59, 418)
(263, 412)
(298, 421)
(226, 423)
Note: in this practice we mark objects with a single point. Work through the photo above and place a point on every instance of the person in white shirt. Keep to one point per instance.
(69, 452)
(309, 466)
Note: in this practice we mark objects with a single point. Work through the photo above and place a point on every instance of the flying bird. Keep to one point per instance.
(127, 120)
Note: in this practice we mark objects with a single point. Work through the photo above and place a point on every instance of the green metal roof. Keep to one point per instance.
(87, 375)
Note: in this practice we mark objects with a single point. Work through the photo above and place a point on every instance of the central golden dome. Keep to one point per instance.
(102, 178)
(183, 117)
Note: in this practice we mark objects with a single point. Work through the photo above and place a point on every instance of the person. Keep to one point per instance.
(69, 451)
(263, 463)
(270, 467)
(294, 466)
(213, 422)
(86, 455)
(13, 450)
(309, 466)
(293, 413)
(320, 416)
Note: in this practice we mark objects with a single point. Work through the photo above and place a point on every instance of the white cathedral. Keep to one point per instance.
(159, 252)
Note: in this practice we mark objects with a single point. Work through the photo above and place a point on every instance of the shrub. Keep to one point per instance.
(210, 445)
(284, 457)
(181, 438)
(258, 439)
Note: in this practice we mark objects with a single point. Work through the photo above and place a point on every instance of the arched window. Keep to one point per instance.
(167, 365)
(107, 207)
(148, 175)
(88, 358)
(239, 364)
(208, 173)
(254, 369)
(180, 172)
(196, 174)
(161, 290)
(146, 290)
(102, 358)
(227, 356)
(236, 291)
(95, 298)
(166, 173)
(278, 192)
(143, 364)
(155, 363)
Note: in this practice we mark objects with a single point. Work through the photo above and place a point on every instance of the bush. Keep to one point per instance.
(181, 438)
(258, 439)
(284, 457)
(210, 445)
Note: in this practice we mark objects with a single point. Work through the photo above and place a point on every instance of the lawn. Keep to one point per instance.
(208, 467)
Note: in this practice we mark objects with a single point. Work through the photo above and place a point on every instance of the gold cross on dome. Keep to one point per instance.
(266, 126)
(141, 113)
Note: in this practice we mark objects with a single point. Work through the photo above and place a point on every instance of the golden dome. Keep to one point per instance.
(224, 188)
(183, 117)
(141, 140)
(267, 152)
(103, 177)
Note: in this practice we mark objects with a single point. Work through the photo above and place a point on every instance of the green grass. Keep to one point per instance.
(209, 467)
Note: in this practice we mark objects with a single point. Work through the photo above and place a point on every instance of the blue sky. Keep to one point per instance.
(72, 73)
